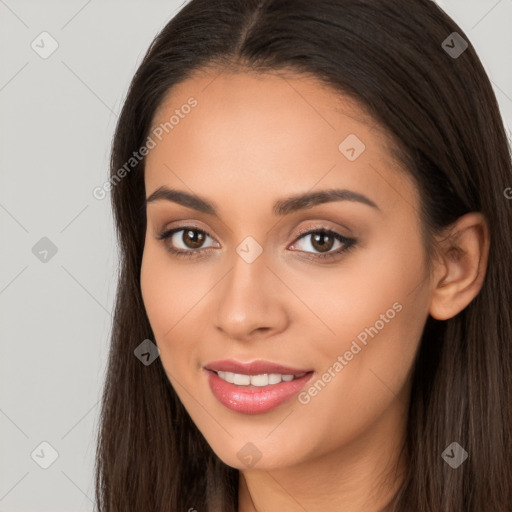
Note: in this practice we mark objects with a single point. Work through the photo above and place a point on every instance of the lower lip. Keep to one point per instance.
(254, 399)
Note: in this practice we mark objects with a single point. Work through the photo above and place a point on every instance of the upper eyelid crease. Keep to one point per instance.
(301, 234)
(281, 207)
(347, 241)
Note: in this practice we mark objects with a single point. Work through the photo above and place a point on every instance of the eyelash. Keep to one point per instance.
(349, 243)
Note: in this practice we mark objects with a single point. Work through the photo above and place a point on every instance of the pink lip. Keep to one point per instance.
(254, 368)
(254, 399)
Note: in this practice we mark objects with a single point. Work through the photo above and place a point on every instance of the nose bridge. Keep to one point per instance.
(247, 277)
(246, 300)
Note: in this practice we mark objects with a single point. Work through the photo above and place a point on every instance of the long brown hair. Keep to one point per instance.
(442, 114)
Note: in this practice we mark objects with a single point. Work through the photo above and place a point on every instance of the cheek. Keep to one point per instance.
(167, 293)
(164, 292)
(377, 291)
(155, 293)
(378, 309)
(171, 298)
(367, 370)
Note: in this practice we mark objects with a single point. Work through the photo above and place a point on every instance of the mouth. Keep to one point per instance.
(260, 380)
(253, 388)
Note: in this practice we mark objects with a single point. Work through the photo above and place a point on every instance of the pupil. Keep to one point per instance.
(194, 238)
(319, 242)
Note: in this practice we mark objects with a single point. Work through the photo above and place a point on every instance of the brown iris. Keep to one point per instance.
(193, 238)
(322, 241)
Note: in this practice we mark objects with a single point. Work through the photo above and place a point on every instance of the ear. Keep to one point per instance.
(460, 265)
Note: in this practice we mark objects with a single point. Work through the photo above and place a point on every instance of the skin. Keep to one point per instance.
(250, 141)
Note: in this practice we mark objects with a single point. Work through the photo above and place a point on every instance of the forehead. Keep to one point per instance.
(268, 132)
(295, 103)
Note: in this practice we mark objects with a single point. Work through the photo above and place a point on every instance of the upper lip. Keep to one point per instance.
(253, 368)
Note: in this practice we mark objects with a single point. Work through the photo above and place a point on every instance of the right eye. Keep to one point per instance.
(185, 241)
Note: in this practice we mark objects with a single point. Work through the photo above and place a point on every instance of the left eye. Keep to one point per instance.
(190, 242)
(323, 241)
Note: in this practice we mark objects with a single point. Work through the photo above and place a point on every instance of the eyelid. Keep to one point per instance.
(320, 227)
(169, 232)
(348, 242)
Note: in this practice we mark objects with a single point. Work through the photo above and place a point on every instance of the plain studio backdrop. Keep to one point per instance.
(65, 69)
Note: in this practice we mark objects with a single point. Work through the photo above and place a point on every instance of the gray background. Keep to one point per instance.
(57, 117)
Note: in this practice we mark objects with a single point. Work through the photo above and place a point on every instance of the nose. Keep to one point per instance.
(250, 301)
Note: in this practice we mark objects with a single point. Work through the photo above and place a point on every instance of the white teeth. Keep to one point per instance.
(259, 380)
(274, 378)
(256, 380)
(229, 377)
(241, 380)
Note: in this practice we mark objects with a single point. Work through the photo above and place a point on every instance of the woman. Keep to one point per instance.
(311, 205)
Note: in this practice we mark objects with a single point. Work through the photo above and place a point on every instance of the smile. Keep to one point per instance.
(264, 379)
(256, 387)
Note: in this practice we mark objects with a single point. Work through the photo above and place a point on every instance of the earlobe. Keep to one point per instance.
(460, 267)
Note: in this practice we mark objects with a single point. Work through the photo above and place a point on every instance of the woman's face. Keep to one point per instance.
(299, 245)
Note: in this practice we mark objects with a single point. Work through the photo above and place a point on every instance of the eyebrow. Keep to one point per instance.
(281, 207)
